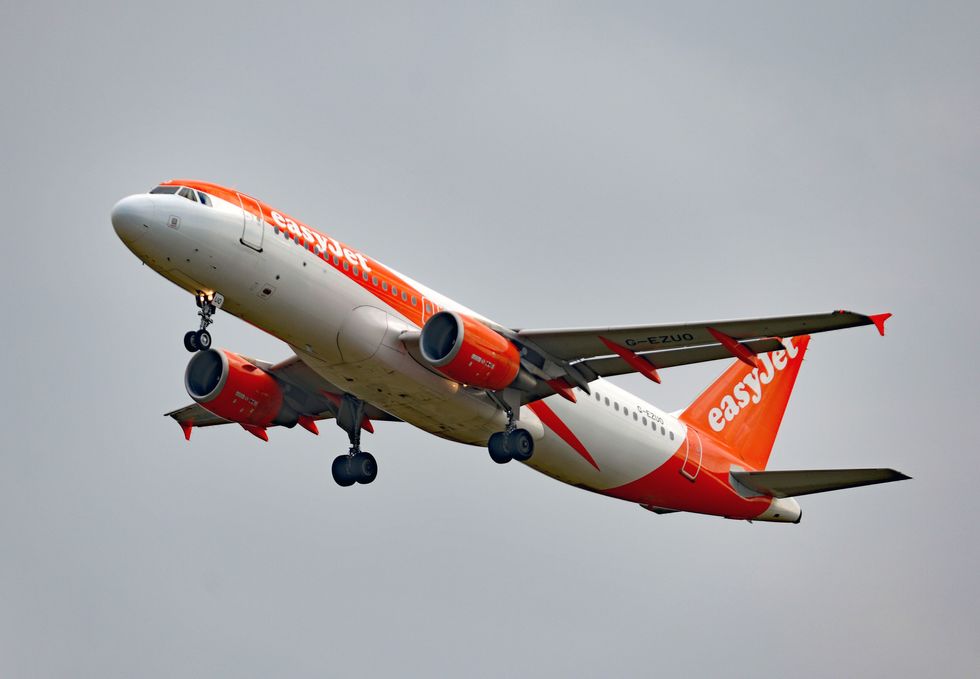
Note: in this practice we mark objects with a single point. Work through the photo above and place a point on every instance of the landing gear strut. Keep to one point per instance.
(356, 466)
(512, 443)
(208, 304)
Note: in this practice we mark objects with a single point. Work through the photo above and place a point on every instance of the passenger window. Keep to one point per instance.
(671, 436)
(634, 417)
(365, 276)
(597, 396)
(616, 405)
(374, 281)
(384, 285)
(607, 400)
(644, 421)
(346, 266)
(357, 272)
(663, 432)
(336, 261)
(404, 296)
(626, 411)
(394, 291)
(414, 300)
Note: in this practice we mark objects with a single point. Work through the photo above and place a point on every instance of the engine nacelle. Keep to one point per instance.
(231, 387)
(467, 351)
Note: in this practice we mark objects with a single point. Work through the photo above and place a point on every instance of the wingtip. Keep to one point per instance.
(187, 427)
(879, 321)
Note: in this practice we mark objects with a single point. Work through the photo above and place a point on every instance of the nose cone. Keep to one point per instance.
(132, 216)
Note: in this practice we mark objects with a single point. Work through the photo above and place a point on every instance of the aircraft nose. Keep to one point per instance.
(132, 216)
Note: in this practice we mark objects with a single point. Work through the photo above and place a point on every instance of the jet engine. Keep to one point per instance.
(467, 351)
(232, 387)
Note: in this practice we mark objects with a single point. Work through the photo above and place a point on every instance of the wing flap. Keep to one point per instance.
(806, 482)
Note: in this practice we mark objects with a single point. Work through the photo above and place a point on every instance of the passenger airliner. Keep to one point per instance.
(371, 344)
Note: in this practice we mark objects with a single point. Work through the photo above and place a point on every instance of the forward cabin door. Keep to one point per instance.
(252, 229)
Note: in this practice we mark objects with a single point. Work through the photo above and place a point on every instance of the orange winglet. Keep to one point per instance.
(187, 427)
(739, 350)
(258, 432)
(642, 365)
(562, 388)
(309, 424)
(879, 321)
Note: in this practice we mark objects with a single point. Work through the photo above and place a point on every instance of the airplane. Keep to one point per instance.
(371, 344)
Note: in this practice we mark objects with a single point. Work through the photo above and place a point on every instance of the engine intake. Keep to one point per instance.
(230, 386)
(467, 351)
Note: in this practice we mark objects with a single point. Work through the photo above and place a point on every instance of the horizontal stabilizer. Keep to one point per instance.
(806, 482)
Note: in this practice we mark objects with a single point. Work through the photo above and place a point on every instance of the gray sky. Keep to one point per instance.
(548, 165)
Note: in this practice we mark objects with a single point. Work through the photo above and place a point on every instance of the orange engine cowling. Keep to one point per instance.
(467, 351)
(230, 386)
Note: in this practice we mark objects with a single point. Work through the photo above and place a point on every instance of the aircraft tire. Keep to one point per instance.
(203, 340)
(190, 341)
(521, 445)
(499, 451)
(364, 467)
(342, 471)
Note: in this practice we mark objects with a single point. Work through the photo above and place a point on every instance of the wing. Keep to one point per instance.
(305, 391)
(602, 352)
(558, 360)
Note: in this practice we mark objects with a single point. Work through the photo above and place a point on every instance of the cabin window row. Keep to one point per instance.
(355, 270)
(635, 415)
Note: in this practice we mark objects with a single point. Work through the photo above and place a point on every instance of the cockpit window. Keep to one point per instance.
(165, 189)
(187, 193)
(205, 198)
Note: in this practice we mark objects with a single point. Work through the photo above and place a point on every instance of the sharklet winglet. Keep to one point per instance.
(879, 321)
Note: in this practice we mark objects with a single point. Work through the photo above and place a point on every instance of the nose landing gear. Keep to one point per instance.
(208, 305)
(356, 466)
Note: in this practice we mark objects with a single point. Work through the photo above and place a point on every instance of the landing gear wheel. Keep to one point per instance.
(203, 340)
(208, 304)
(498, 448)
(342, 471)
(521, 444)
(364, 467)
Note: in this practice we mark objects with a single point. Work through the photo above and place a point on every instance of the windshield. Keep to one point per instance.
(184, 192)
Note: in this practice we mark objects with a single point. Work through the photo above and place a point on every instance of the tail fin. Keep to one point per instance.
(744, 407)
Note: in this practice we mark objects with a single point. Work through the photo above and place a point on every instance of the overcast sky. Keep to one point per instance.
(548, 165)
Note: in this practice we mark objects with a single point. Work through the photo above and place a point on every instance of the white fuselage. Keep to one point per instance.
(349, 333)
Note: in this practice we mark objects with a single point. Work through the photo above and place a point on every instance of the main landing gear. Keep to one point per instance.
(512, 443)
(356, 466)
(200, 340)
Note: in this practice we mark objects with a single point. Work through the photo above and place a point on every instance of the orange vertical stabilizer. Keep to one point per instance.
(743, 408)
